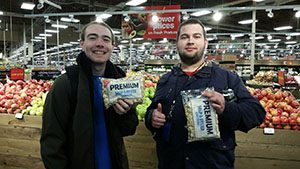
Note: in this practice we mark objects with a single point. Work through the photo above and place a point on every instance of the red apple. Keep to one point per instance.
(295, 104)
(276, 120)
(284, 120)
(293, 121)
(285, 114)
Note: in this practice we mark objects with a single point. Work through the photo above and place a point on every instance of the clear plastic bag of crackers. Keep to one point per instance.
(202, 119)
(129, 87)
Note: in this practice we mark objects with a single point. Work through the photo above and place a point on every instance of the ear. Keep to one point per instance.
(81, 43)
(206, 43)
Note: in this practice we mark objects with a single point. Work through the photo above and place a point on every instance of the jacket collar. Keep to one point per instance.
(204, 72)
(111, 71)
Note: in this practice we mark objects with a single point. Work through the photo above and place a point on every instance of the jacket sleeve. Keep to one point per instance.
(246, 112)
(127, 123)
(54, 126)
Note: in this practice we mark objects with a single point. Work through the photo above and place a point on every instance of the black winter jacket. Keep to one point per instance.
(67, 139)
(243, 114)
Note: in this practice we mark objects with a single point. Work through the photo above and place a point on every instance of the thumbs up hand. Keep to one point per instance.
(158, 118)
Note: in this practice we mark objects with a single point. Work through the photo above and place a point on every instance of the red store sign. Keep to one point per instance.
(141, 25)
(167, 24)
(17, 74)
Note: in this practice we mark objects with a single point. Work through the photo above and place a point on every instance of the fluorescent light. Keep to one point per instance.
(36, 40)
(237, 35)
(51, 31)
(283, 28)
(38, 37)
(44, 34)
(104, 16)
(258, 0)
(290, 42)
(295, 34)
(135, 2)
(206, 28)
(1, 12)
(275, 40)
(201, 13)
(248, 21)
(59, 26)
(65, 19)
(27, 5)
(116, 32)
(258, 37)
(297, 14)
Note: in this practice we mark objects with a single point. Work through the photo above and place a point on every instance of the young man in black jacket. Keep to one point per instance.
(166, 119)
(79, 133)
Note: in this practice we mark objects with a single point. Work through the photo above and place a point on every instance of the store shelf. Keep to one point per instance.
(161, 62)
(270, 62)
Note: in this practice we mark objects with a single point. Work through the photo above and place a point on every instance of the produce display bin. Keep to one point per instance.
(20, 149)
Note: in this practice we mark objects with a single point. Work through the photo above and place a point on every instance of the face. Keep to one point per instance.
(191, 44)
(97, 43)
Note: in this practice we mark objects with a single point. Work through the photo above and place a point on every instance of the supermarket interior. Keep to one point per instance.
(257, 39)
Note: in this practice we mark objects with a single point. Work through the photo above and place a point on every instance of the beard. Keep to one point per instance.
(191, 59)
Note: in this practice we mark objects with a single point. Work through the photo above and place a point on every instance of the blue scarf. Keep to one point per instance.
(102, 155)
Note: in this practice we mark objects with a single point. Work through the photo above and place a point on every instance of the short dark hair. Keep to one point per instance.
(82, 34)
(188, 22)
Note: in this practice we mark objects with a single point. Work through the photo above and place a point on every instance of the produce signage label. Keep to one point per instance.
(142, 25)
(281, 75)
(17, 74)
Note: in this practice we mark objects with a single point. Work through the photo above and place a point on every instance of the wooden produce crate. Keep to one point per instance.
(20, 148)
(19, 142)
(258, 151)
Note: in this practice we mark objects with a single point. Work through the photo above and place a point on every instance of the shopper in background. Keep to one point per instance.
(165, 117)
(78, 132)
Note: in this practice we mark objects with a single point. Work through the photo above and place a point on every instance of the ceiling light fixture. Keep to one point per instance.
(1, 12)
(27, 5)
(45, 34)
(41, 4)
(206, 28)
(288, 37)
(217, 16)
(59, 26)
(258, 0)
(201, 13)
(283, 28)
(135, 2)
(290, 42)
(248, 21)
(70, 19)
(270, 13)
(297, 14)
(51, 31)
